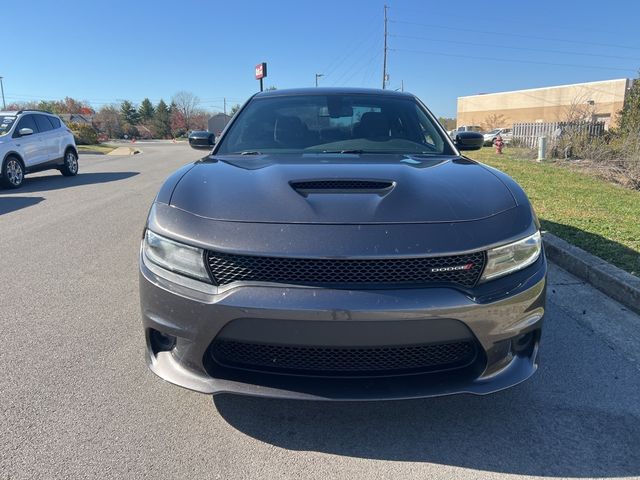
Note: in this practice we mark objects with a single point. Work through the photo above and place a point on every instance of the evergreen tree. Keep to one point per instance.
(146, 111)
(162, 120)
(128, 113)
(234, 109)
(630, 113)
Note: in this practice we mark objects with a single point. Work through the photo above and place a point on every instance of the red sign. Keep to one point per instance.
(261, 70)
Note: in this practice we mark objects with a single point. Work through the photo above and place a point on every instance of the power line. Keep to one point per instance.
(535, 37)
(506, 60)
(368, 72)
(356, 64)
(494, 45)
(367, 62)
(514, 21)
(335, 63)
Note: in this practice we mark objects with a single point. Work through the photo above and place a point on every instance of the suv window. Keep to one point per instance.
(6, 122)
(25, 122)
(55, 121)
(44, 125)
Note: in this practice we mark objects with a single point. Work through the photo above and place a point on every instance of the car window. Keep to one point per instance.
(55, 121)
(6, 122)
(333, 124)
(44, 125)
(26, 122)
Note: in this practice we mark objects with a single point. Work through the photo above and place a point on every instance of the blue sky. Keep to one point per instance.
(108, 51)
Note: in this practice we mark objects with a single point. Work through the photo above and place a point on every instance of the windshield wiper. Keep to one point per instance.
(343, 151)
(249, 152)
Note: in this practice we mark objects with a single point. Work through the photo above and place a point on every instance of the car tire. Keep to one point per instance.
(12, 172)
(70, 167)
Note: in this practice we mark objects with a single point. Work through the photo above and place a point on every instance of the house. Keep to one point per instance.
(594, 101)
(217, 122)
(76, 118)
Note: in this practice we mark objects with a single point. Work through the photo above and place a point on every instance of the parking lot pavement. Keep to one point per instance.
(77, 400)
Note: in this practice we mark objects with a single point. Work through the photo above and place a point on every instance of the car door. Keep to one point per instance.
(48, 137)
(30, 146)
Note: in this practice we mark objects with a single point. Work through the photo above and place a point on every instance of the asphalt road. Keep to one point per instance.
(77, 400)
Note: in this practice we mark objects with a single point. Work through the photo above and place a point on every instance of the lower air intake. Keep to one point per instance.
(343, 361)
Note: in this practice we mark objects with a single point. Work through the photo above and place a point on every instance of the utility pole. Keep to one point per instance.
(384, 61)
(318, 75)
(224, 99)
(4, 105)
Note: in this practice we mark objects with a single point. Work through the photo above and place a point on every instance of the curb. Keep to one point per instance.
(616, 283)
(125, 151)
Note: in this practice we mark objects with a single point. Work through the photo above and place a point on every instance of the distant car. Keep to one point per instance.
(505, 133)
(31, 141)
(336, 244)
(201, 139)
(464, 128)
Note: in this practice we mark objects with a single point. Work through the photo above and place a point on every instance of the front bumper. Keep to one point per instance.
(504, 322)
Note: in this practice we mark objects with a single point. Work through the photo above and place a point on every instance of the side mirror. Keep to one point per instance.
(25, 131)
(201, 140)
(469, 141)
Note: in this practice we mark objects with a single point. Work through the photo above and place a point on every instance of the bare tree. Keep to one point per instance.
(495, 120)
(186, 103)
(580, 109)
(107, 121)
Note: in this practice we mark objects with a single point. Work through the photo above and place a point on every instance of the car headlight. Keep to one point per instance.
(174, 256)
(512, 257)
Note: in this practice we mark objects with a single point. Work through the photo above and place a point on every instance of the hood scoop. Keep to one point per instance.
(305, 187)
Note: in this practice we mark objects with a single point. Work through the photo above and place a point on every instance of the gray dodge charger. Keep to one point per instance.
(335, 245)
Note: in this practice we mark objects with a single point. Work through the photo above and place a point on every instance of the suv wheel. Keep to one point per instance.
(70, 167)
(12, 172)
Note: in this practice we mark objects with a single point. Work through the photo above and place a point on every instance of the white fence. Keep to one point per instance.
(526, 134)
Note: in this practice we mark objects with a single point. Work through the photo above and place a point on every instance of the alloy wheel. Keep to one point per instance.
(14, 172)
(72, 162)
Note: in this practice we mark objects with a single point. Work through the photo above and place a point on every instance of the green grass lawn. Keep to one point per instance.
(94, 148)
(600, 217)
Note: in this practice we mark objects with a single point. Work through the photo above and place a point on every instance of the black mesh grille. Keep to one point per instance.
(399, 272)
(341, 185)
(318, 360)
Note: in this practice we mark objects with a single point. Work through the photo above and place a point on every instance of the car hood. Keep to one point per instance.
(396, 189)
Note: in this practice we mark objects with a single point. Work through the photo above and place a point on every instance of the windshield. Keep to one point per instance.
(355, 123)
(6, 122)
(497, 130)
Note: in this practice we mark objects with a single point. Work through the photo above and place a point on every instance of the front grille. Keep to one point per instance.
(336, 361)
(342, 185)
(396, 272)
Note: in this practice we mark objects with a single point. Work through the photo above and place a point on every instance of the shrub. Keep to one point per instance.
(84, 134)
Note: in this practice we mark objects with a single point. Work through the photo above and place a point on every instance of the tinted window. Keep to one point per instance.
(55, 121)
(6, 122)
(334, 123)
(26, 122)
(44, 125)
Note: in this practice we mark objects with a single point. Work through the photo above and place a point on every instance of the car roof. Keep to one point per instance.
(26, 110)
(332, 91)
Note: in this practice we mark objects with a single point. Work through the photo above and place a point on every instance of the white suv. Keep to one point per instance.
(31, 141)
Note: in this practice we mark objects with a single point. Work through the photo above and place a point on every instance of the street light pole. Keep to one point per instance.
(318, 75)
(4, 105)
(384, 51)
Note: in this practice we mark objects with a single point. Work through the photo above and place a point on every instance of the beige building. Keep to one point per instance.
(582, 101)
